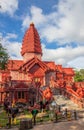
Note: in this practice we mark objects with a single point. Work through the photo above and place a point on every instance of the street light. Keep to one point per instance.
(52, 108)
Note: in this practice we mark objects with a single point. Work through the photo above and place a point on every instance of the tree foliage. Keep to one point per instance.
(79, 75)
(3, 58)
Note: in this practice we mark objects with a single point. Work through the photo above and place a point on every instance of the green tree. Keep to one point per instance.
(79, 75)
(82, 72)
(3, 58)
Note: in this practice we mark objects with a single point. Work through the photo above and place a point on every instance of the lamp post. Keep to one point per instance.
(52, 109)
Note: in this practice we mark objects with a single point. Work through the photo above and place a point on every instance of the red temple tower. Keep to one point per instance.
(31, 45)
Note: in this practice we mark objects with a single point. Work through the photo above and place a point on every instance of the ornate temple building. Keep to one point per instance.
(24, 79)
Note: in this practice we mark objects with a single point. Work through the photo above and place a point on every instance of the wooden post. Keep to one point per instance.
(66, 112)
(75, 114)
(69, 115)
(9, 121)
(59, 108)
(56, 118)
(25, 124)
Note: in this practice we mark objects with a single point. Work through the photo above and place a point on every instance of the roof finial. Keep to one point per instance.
(31, 24)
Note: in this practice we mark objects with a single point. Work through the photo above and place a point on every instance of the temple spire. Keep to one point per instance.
(31, 45)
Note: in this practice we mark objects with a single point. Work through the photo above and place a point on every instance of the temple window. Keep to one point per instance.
(37, 79)
(21, 94)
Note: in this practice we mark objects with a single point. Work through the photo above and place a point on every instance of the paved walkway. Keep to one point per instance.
(66, 103)
(69, 125)
(72, 125)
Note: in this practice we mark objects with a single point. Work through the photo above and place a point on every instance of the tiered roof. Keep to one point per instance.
(68, 71)
(31, 41)
(38, 66)
(14, 64)
(59, 68)
(51, 65)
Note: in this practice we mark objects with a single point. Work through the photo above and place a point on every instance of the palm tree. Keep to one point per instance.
(3, 58)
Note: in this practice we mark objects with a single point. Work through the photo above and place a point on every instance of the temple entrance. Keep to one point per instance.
(19, 93)
(32, 95)
(21, 96)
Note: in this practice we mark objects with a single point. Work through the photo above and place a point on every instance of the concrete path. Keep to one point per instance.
(66, 103)
(69, 125)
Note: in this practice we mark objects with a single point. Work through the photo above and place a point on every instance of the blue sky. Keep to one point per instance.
(60, 24)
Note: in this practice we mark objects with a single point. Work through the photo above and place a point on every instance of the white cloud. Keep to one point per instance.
(14, 47)
(11, 36)
(14, 50)
(77, 63)
(65, 24)
(69, 26)
(8, 6)
(37, 17)
(65, 56)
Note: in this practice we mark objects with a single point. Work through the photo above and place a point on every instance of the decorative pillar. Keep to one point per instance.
(0, 96)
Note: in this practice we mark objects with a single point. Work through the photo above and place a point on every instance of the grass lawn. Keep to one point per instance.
(4, 118)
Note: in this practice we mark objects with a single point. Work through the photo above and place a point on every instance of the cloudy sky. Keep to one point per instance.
(60, 24)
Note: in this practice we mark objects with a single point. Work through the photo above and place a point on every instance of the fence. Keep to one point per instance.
(63, 115)
(55, 116)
